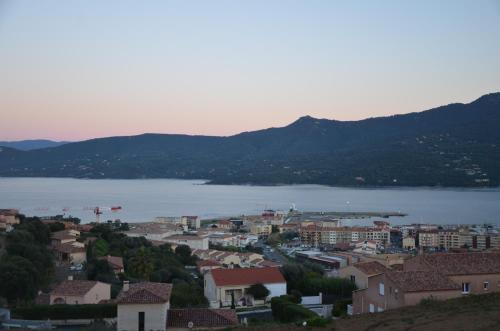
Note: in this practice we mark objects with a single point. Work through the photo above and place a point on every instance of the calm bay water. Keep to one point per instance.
(142, 200)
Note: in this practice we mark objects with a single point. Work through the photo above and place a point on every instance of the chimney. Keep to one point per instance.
(126, 285)
(70, 277)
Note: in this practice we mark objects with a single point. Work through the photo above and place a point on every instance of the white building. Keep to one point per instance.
(194, 242)
(154, 231)
(222, 284)
(143, 306)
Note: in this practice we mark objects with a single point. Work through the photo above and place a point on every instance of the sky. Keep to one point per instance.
(74, 70)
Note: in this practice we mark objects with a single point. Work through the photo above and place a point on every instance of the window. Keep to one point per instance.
(381, 288)
(465, 288)
(486, 286)
(353, 278)
(380, 309)
(372, 308)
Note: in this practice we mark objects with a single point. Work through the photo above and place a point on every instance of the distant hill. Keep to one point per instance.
(27, 145)
(454, 145)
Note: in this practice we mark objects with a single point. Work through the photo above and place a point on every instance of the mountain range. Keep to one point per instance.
(28, 145)
(457, 145)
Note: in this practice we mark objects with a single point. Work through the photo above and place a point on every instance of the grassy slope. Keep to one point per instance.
(470, 313)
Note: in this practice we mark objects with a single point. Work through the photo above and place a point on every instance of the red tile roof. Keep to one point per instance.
(201, 318)
(370, 268)
(74, 287)
(116, 262)
(460, 263)
(247, 276)
(145, 293)
(68, 248)
(207, 263)
(418, 281)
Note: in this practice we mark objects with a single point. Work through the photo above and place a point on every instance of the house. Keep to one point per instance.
(395, 289)
(72, 252)
(359, 273)
(146, 306)
(222, 284)
(475, 272)
(115, 262)
(8, 218)
(440, 276)
(74, 292)
(64, 237)
(194, 242)
(206, 265)
(143, 306)
(201, 319)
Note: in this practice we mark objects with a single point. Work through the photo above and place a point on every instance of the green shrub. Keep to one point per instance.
(286, 310)
(317, 322)
(59, 312)
(340, 307)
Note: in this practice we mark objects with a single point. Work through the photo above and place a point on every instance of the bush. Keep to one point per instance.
(60, 312)
(285, 310)
(340, 307)
(258, 291)
(317, 321)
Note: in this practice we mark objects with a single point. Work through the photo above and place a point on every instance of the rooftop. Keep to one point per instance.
(145, 293)
(200, 317)
(370, 268)
(74, 287)
(461, 263)
(247, 276)
(416, 281)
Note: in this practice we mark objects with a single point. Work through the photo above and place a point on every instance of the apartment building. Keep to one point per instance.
(261, 229)
(317, 235)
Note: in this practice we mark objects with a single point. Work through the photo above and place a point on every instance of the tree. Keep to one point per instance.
(101, 247)
(258, 291)
(141, 265)
(184, 253)
(18, 278)
(57, 226)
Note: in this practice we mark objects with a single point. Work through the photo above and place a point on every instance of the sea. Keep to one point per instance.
(144, 199)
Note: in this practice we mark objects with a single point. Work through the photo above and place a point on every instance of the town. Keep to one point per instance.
(182, 273)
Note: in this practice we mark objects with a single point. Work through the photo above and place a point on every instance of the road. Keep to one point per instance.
(271, 253)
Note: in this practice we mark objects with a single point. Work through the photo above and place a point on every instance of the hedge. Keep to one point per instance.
(63, 312)
(285, 310)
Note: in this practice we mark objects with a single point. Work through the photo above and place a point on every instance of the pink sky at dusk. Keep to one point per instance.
(80, 70)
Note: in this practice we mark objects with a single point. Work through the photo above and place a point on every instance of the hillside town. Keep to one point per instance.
(183, 273)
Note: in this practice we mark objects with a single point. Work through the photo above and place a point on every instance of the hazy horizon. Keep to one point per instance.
(90, 69)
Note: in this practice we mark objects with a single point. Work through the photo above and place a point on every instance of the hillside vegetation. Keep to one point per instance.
(480, 312)
(453, 145)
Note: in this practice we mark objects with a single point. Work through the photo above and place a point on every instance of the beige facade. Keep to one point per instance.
(479, 283)
(100, 291)
(261, 229)
(383, 294)
(409, 243)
